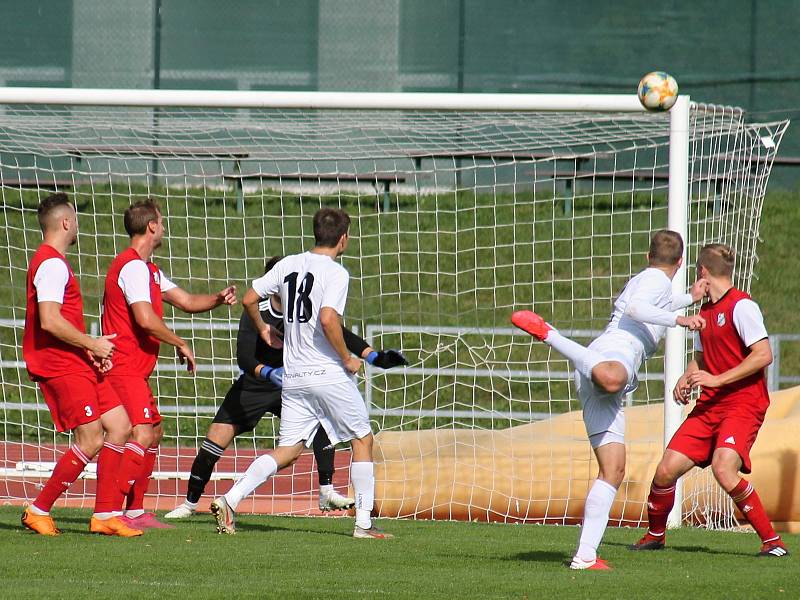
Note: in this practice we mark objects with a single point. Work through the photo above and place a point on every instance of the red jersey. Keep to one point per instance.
(724, 349)
(45, 355)
(136, 350)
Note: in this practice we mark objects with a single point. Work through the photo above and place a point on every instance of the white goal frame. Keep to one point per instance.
(678, 194)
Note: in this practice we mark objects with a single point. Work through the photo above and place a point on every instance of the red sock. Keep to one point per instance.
(747, 501)
(67, 470)
(659, 504)
(136, 495)
(108, 497)
(129, 468)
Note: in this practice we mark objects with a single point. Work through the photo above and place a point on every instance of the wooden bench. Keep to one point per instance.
(47, 184)
(577, 171)
(153, 152)
(146, 151)
(381, 181)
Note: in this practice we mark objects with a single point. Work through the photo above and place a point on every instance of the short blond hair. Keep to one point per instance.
(718, 259)
(666, 248)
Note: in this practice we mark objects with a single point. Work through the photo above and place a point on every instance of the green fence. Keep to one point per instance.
(742, 52)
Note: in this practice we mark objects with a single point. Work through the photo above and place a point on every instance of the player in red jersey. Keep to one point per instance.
(66, 363)
(135, 289)
(731, 354)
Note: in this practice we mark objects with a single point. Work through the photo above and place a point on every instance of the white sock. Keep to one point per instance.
(362, 475)
(190, 505)
(104, 515)
(38, 511)
(324, 490)
(257, 473)
(132, 514)
(580, 356)
(595, 519)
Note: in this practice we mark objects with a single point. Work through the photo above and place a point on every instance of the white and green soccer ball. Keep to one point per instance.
(658, 91)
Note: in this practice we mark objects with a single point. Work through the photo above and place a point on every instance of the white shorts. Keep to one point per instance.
(337, 407)
(603, 412)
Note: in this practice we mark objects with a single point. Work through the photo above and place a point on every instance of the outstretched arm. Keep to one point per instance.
(385, 359)
(195, 303)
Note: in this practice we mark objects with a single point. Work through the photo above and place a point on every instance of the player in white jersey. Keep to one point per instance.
(318, 388)
(607, 370)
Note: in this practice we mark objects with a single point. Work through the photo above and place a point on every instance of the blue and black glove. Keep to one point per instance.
(386, 359)
(274, 374)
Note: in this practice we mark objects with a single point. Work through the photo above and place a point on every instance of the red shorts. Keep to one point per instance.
(137, 398)
(72, 399)
(701, 434)
(107, 395)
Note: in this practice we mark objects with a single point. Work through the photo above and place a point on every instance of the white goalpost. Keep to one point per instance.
(465, 207)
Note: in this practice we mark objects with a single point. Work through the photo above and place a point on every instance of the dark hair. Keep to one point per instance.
(271, 263)
(718, 259)
(330, 224)
(139, 215)
(48, 205)
(666, 248)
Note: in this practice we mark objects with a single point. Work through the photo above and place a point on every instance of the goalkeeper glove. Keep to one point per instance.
(386, 359)
(275, 375)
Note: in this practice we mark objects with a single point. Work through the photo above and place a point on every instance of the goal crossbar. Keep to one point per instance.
(322, 100)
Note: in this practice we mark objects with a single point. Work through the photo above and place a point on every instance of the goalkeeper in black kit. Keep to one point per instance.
(257, 392)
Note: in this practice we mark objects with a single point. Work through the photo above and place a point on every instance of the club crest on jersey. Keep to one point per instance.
(721, 319)
(156, 277)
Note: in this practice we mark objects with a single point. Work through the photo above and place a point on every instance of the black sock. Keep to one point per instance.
(202, 467)
(324, 454)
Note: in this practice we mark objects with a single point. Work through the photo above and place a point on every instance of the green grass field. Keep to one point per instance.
(293, 557)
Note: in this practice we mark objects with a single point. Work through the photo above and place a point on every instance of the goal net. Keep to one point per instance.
(459, 217)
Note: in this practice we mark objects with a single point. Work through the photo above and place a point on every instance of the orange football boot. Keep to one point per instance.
(112, 526)
(41, 524)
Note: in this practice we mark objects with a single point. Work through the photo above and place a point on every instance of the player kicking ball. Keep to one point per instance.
(318, 389)
(257, 392)
(731, 354)
(607, 370)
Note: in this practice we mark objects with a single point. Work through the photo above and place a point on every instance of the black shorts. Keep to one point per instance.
(246, 402)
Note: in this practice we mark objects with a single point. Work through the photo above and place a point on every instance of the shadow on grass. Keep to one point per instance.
(683, 549)
(542, 556)
(244, 527)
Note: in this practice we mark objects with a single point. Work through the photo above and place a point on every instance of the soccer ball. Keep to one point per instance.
(658, 91)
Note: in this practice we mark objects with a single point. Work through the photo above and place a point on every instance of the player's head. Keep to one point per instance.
(666, 249)
(330, 228)
(716, 260)
(271, 262)
(56, 214)
(144, 218)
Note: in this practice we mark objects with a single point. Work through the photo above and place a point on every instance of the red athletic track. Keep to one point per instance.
(292, 491)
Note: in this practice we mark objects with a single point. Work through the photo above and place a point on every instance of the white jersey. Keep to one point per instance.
(306, 283)
(646, 307)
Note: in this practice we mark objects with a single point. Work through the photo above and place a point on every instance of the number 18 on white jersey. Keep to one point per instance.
(307, 283)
